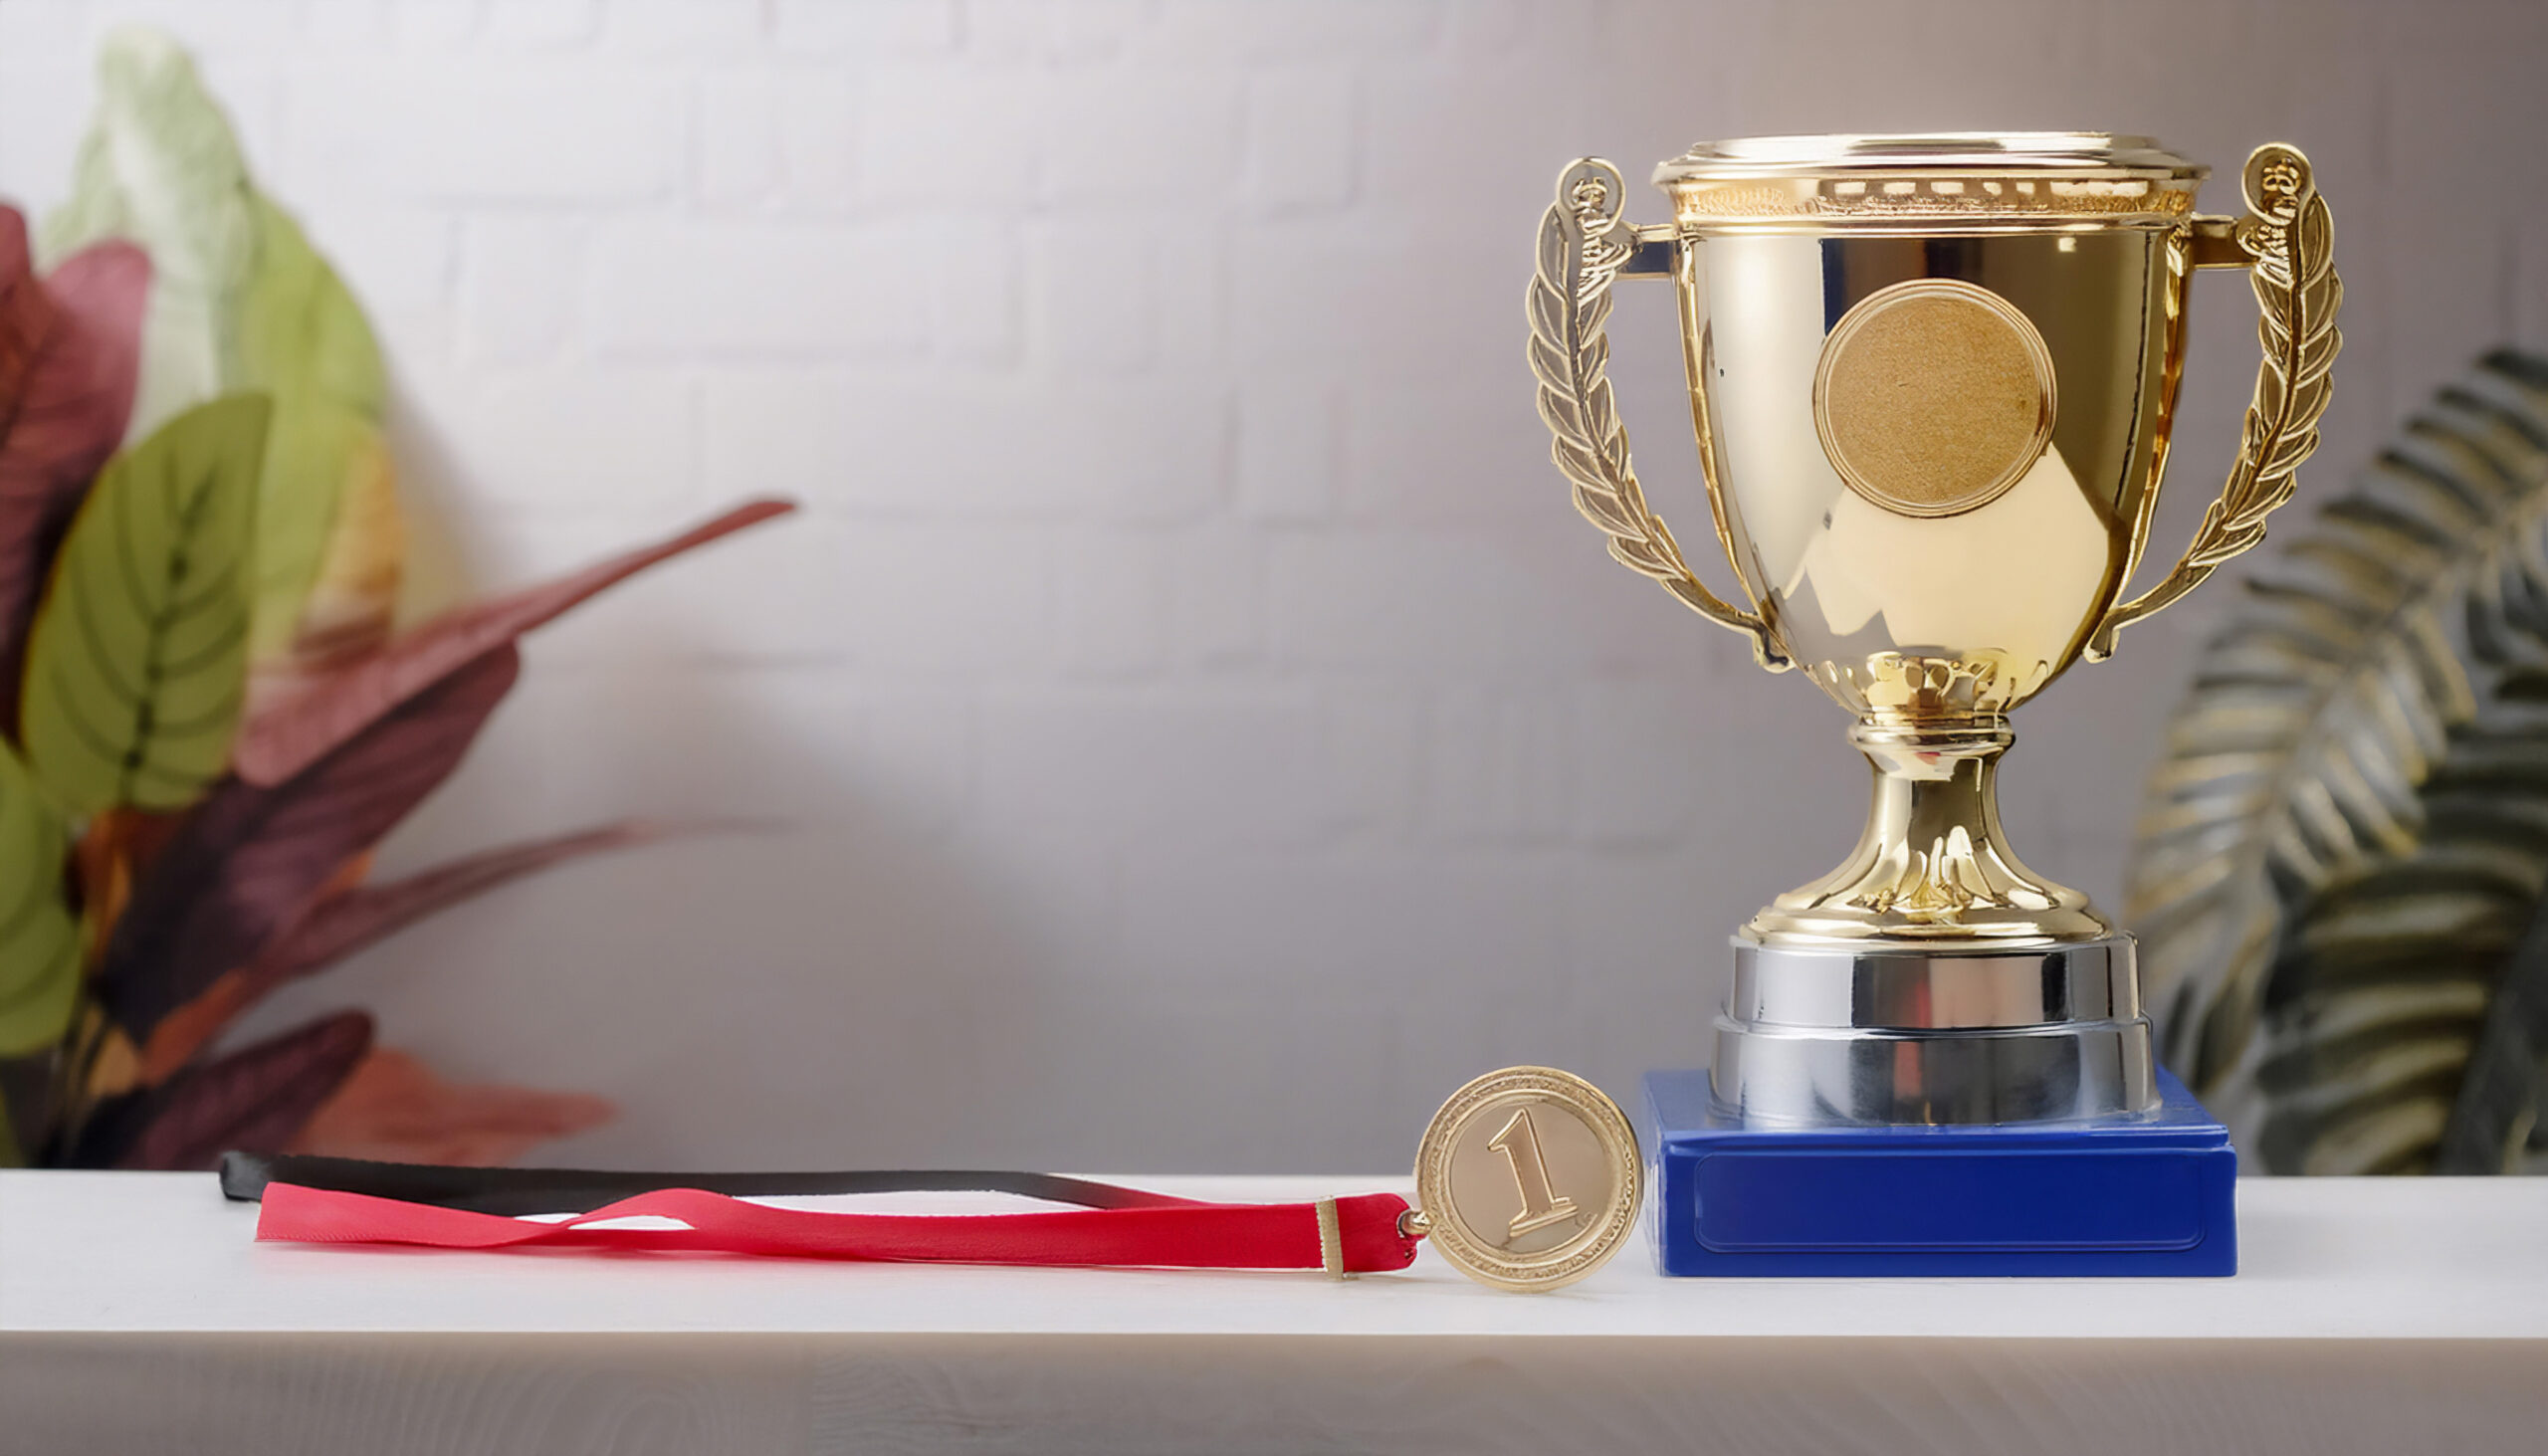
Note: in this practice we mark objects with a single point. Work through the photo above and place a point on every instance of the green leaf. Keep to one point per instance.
(139, 660)
(303, 339)
(160, 167)
(241, 303)
(39, 937)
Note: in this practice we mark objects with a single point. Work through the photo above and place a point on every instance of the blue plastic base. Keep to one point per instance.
(2145, 1195)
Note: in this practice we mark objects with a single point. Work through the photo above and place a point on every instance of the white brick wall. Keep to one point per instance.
(1206, 733)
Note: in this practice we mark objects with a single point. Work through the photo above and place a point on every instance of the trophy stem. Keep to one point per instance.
(1932, 866)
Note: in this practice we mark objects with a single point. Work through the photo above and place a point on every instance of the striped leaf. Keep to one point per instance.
(138, 659)
(2340, 855)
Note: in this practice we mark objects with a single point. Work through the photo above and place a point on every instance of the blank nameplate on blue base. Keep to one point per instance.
(2150, 1196)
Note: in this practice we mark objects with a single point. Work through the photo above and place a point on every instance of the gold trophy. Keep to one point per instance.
(1932, 380)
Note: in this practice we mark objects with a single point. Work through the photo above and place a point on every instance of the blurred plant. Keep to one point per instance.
(2341, 875)
(210, 723)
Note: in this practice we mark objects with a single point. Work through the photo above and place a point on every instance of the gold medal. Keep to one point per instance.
(1528, 1178)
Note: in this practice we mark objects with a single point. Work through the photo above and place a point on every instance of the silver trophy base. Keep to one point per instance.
(1902, 1035)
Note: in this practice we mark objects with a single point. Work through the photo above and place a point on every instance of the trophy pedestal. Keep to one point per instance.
(2148, 1195)
(1968, 1109)
(1892, 1034)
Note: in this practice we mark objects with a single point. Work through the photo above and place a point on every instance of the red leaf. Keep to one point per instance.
(26, 313)
(345, 923)
(348, 920)
(256, 1100)
(185, 1031)
(395, 1108)
(249, 860)
(70, 354)
(294, 725)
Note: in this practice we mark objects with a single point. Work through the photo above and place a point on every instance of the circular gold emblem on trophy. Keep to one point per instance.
(1933, 397)
(1529, 1179)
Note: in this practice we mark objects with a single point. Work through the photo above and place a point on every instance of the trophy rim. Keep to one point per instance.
(2069, 154)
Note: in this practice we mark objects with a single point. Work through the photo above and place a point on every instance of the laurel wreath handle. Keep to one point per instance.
(1583, 245)
(2289, 243)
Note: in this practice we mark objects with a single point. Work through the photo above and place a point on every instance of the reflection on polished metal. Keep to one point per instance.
(1933, 382)
(1817, 1038)
(1528, 1178)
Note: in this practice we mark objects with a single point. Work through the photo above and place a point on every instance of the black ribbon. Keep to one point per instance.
(519, 1190)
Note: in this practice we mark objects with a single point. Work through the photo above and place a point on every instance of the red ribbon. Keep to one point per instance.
(1169, 1233)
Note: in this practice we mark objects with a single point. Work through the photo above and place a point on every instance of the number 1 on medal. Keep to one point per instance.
(1519, 1141)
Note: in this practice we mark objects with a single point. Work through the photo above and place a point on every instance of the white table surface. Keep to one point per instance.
(2410, 1312)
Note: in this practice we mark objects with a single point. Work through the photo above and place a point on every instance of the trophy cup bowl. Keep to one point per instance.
(1932, 380)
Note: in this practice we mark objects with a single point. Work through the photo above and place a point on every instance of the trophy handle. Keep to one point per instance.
(1583, 245)
(2285, 244)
